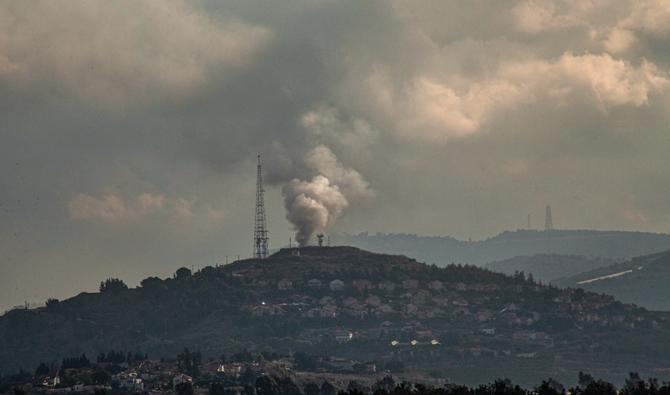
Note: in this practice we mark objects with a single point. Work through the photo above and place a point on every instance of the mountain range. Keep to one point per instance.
(616, 245)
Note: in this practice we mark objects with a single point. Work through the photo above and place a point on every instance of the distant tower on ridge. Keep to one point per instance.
(548, 222)
(260, 225)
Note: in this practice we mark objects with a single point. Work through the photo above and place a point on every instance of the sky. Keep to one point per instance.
(129, 129)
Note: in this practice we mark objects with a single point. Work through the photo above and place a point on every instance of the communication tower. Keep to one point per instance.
(260, 223)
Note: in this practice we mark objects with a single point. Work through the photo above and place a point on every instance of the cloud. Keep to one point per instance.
(112, 208)
(651, 16)
(537, 16)
(120, 53)
(441, 108)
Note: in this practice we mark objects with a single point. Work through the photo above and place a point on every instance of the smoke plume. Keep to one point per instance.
(312, 206)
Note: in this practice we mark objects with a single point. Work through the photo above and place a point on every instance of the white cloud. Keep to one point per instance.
(438, 108)
(619, 40)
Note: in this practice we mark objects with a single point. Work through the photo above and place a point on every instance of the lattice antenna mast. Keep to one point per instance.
(548, 222)
(260, 225)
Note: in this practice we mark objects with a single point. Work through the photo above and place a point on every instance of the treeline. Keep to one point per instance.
(634, 385)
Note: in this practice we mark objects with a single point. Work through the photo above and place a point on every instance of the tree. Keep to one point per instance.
(112, 285)
(150, 281)
(217, 388)
(42, 369)
(599, 387)
(189, 362)
(100, 377)
(184, 389)
(248, 377)
(355, 387)
(328, 389)
(634, 385)
(550, 387)
(584, 379)
(266, 385)
(385, 384)
(311, 389)
(182, 272)
(75, 362)
(52, 303)
(288, 387)
(303, 361)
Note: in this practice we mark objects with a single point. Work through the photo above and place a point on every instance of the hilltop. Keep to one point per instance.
(549, 267)
(614, 245)
(459, 322)
(642, 280)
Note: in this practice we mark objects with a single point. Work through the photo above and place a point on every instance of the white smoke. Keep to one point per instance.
(312, 206)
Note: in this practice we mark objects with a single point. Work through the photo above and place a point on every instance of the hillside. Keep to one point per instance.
(549, 267)
(642, 280)
(459, 322)
(441, 250)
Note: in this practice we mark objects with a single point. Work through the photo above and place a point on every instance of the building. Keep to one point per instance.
(343, 336)
(314, 283)
(127, 381)
(336, 285)
(436, 285)
(284, 284)
(180, 379)
(410, 284)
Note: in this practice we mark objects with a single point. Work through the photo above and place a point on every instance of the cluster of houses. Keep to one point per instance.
(430, 309)
(408, 299)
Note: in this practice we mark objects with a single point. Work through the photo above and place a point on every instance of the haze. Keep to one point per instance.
(130, 129)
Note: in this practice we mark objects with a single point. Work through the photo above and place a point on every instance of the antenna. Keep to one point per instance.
(548, 222)
(320, 239)
(260, 225)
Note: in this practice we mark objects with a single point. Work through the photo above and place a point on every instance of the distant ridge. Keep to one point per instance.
(617, 245)
(549, 267)
(642, 280)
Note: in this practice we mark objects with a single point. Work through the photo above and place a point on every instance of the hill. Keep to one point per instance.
(549, 267)
(642, 280)
(441, 250)
(459, 322)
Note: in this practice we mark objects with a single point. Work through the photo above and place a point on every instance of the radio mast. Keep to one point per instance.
(260, 225)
